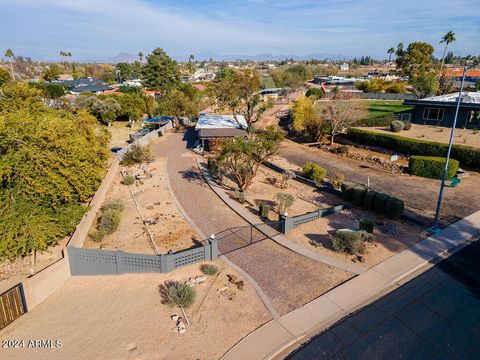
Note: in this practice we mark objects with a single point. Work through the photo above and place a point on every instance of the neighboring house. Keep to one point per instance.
(220, 127)
(270, 93)
(440, 110)
(94, 89)
(78, 82)
(471, 77)
(344, 67)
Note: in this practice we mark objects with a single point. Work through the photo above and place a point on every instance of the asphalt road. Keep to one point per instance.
(434, 316)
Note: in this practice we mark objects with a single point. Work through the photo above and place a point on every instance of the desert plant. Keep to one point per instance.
(347, 190)
(367, 225)
(342, 150)
(284, 201)
(209, 269)
(397, 126)
(239, 196)
(115, 204)
(138, 155)
(181, 295)
(394, 208)
(337, 180)
(357, 195)
(368, 199)
(431, 167)
(286, 176)
(110, 221)
(314, 172)
(128, 180)
(350, 242)
(264, 209)
(407, 125)
(97, 235)
(379, 203)
(211, 162)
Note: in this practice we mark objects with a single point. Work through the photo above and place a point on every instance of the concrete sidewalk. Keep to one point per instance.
(291, 330)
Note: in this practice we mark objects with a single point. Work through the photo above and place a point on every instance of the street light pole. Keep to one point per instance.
(436, 222)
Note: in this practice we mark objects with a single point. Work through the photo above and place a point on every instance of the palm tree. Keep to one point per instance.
(65, 55)
(140, 55)
(9, 54)
(448, 38)
(191, 65)
(390, 52)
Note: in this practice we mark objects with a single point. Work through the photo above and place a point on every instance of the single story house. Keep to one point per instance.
(471, 77)
(440, 110)
(220, 127)
(94, 89)
(271, 93)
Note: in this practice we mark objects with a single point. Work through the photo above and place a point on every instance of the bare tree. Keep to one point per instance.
(341, 115)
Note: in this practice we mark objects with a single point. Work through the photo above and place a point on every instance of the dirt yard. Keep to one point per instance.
(390, 236)
(120, 133)
(169, 229)
(466, 137)
(122, 317)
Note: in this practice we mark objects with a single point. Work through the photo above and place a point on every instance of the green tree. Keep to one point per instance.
(306, 118)
(315, 93)
(4, 76)
(10, 55)
(390, 52)
(50, 91)
(52, 72)
(448, 38)
(140, 56)
(104, 108)
(425, 84)
(132, 106)
(242, 158)
(226, 72)
(20, 96)
(416, 59)
(477, 85)
(160, 73)
(66, 55)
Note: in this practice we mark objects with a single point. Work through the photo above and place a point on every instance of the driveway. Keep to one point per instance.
(280, 273)
(434, 316)
(420, 194)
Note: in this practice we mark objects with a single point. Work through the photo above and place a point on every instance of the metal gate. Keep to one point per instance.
(12, 305)
(237, 238)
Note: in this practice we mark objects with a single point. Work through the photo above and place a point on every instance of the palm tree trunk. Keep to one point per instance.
(443, 58)
(11, 69)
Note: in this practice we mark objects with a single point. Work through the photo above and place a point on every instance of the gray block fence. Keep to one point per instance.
(290, 223)
(107, 262)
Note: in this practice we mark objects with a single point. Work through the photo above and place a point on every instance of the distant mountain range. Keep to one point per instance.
(126, 57)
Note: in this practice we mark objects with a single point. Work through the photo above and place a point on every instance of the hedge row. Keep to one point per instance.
(431, 166)
(372, 200)
(468, 156)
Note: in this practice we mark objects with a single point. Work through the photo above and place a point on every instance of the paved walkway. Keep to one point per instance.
(279, 336)
(434, 316)
(418, 193)
(280, 273)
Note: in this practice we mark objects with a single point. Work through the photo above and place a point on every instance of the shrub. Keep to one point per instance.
(110, 221)
(211, 162)
(128, 180)
(337, 180)
(431, 167)
(380, 202)
(97, 235)
(209, 269)
(368, 199)
(375, 121)
(367, 225)
(469, 157)
(357, 195)
(315, 92)
(284, 201)
(408, 125)
(240, 196)
(314, 172)
(350, 242)
(394, 208)
(342, 150)
(264, 209)
(397, 126)
(138, 155)
(115, 204)
(179, 294)
(347, 190)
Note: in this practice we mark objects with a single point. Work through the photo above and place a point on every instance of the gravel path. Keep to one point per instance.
(289, 280)
(420, 194)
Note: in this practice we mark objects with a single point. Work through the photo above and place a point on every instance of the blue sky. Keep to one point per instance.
(96, 29)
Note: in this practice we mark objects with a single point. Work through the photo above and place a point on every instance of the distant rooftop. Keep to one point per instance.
(469, 97)
(220, 122)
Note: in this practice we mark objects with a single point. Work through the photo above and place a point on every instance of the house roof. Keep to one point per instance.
(214, 133)
(90, 88)
(469, 99)
(459, 73)
(221, 122)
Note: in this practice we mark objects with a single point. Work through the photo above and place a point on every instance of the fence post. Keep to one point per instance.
(72, 259)
(213, 248)
(287, 224)
(207, 251)
(119, 262)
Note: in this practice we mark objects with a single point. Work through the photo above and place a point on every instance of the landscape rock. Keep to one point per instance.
(132, 346)
(175, 317)
(240, 284)
(181, 331)
(232, 278)
(201, 279)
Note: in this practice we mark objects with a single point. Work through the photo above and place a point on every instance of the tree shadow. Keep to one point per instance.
(163, 291)
(192, 175)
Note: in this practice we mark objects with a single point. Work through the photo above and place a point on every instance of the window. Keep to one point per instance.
(473, 118)
(433, 114)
